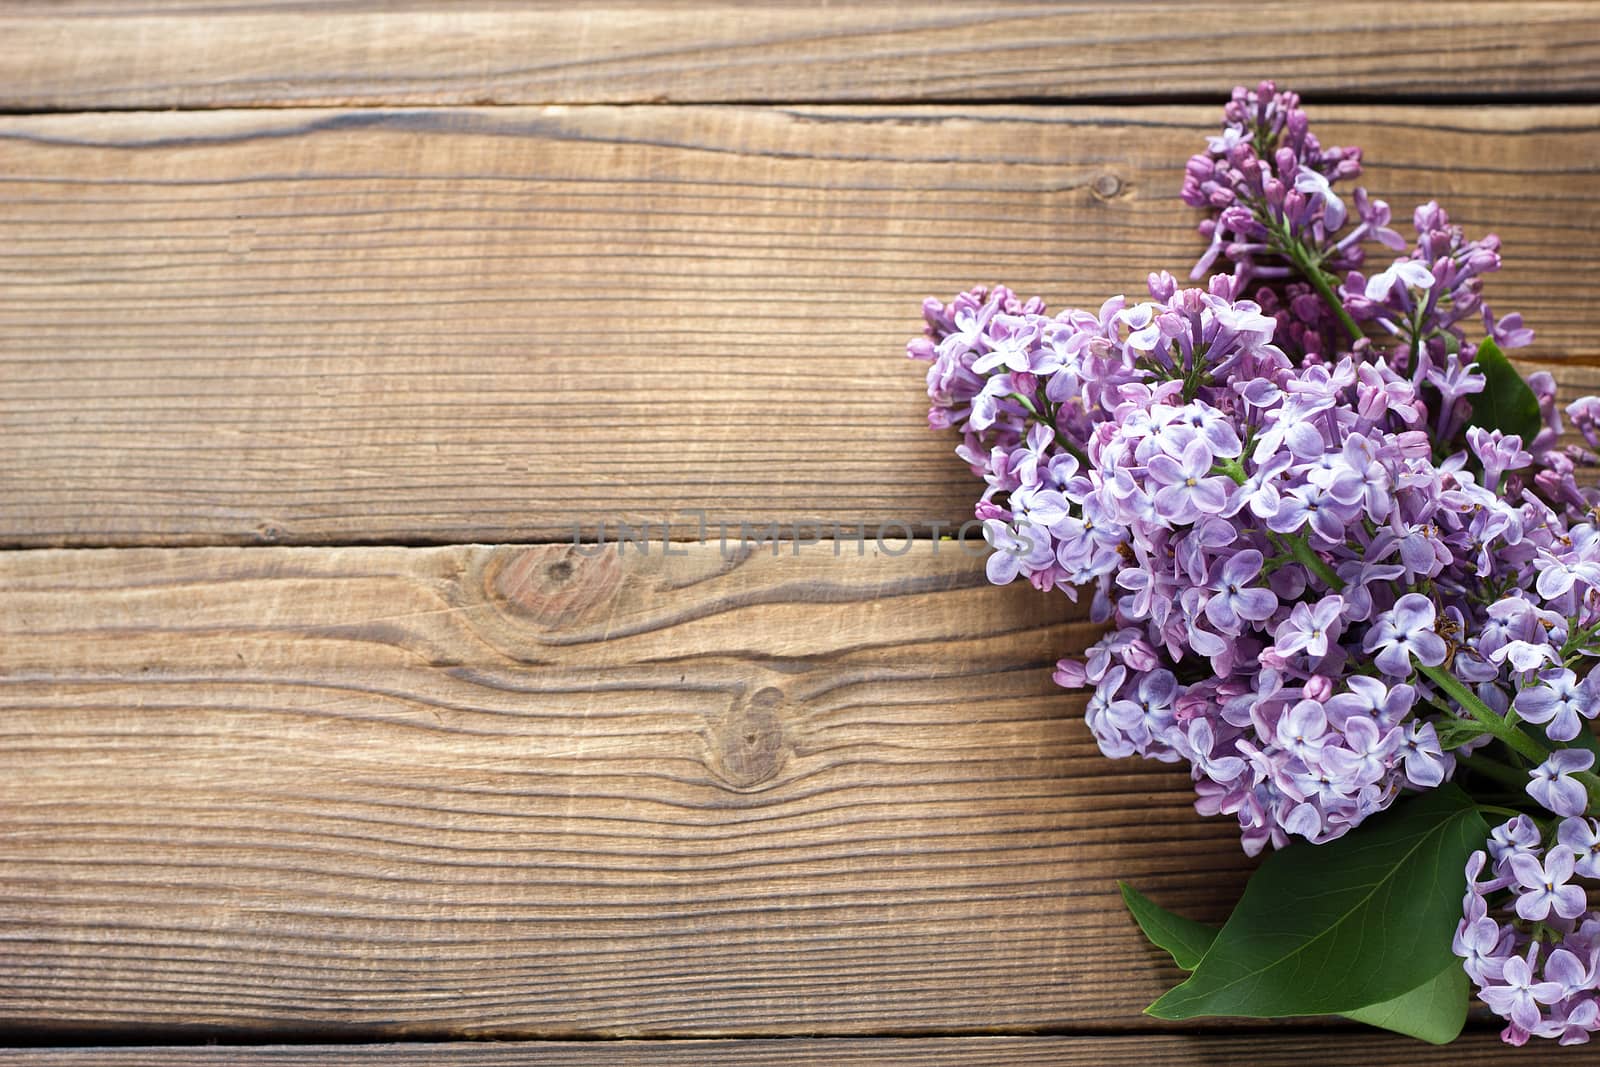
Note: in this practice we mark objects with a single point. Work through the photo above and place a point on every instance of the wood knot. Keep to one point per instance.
(1107, 186)
(554, 585)
(747, 746)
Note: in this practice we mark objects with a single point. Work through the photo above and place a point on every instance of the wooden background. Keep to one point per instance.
(326, 327)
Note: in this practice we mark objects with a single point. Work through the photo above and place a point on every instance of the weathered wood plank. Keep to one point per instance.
(202, 53)
(1285, 1050)
(496, 325)
(517, 791)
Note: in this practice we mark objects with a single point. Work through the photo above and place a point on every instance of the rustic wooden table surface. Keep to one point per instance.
(326, 326)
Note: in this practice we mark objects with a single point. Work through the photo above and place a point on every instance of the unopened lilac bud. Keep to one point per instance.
(1414, 443)
(1483, 260)
(1161, 285)
(1428, 216)
(1070, 674)
(985, 511)
(1236, 218)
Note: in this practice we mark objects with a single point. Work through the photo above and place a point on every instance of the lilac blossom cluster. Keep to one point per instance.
(1530, 941)
(1324, 584)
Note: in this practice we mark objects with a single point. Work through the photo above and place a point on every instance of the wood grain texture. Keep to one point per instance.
(518, 791)
(227, 53)
(1323, 1050)
(504, 324)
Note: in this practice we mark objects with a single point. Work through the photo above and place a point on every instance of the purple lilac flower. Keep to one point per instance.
(1368, 755)
(1301, 732)
(1187, 487)
(1554, 785)
(1370, 698)
(1480, 944)
(1497, 452)
(1403, 632)
(1518, 837)
(1517, 996)
(1310, 628)
(1235, 598)
(1421, 756)
(1545, 887)
(1559, 703)
(1582, 836)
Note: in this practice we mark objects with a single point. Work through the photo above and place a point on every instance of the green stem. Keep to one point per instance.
(1025, 402)
(1233, 469)
(1296, 545)
(1314, 563)
(1416, 342)
(1318, 278)
(1518, 741)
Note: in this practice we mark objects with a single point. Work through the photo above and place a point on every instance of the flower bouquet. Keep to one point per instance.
(1349, 578)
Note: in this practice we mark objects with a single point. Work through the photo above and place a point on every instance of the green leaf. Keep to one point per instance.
(1335, 928)
(1506, 403)
(1434, 1011)
(1185, 939)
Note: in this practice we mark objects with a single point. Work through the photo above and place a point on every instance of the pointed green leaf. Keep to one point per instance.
(1335, 928)
(1433, 1012)
(1506, 403)
(1185, 939)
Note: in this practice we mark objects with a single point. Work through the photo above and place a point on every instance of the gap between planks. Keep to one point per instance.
(210, 54)
(1263, 1049)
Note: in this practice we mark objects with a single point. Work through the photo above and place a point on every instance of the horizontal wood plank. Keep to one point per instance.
(246, 53)
(522, 791)
(513, 324)
(1324, 1050)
